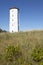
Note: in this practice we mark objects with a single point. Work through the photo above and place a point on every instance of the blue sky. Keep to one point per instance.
(30, 14)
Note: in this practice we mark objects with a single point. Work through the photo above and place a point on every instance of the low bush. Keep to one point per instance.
(10, 51)
(41, 63)
(37, 54)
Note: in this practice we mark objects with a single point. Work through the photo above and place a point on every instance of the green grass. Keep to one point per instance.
(26, 40)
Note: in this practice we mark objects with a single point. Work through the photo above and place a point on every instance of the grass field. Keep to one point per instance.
(26, 40)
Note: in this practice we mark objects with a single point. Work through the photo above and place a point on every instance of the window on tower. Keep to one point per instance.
(12, 15)
(12, 19)
(12, 30)
(12, 10)
(12, 24)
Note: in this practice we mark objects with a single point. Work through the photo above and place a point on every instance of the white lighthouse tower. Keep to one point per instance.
(14, 20)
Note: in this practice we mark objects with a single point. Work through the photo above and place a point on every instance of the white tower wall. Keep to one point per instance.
(14, 20)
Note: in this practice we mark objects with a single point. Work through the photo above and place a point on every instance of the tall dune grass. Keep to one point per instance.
(26, 40)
